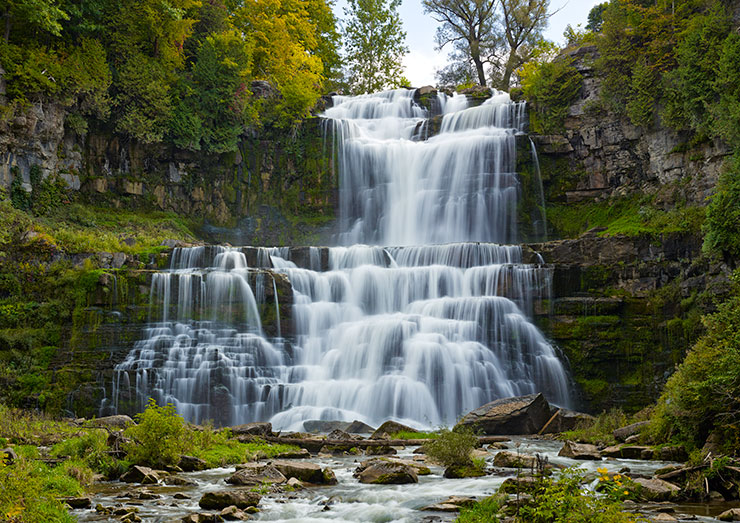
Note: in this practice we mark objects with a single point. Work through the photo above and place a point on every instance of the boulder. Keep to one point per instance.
(339, 434)
(295, 483)
(119, 421)
(201, 518)
(320, 425)
(388, 472)
(623, 433)
(565, 419)
(220, 499)
(192, 464)
(636, 452)
(512, 460)
(664, 517)
(138, 474)
(179, 481)
(358, 427)
(261, 428)
(233, 513)
(294, 454)
(81, 502)
(389, 428)
(656, 489)
(451, 504)
(420, 468)
(672, 453)
(253, 474)
(518, 415)
(730, 515)
(579, 451)
(526, 484)
(463, 471)
(380, 450)
(306, 472)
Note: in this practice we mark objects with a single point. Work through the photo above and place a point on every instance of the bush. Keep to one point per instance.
(91, 451)
(452, 447)
(159, 438)
(484, 511)
(722, 225)
(599, 431)
(550, 87)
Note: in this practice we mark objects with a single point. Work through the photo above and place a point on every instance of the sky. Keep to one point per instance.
(422, 60)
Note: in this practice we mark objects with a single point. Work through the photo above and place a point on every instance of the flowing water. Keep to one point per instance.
(422, 315)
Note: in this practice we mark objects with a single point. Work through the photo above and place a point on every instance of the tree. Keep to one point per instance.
(374, 45)
(522, 23)
(596, 17)
(39, 14)
(468, 25)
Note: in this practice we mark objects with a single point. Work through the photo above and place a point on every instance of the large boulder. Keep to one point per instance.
(253, 474)
(191, 463)
(261, 428)
(623, 433)
(306, 472)
(512, 460)
(730, 515)
(320, 425)
(565, 419)
(220, 499)
(420, 468)
(358, 427)
(463, 471)
(389, 428)
(387, 472)
(579, 451)
(138, 474)
(656, 489)
(517, 415)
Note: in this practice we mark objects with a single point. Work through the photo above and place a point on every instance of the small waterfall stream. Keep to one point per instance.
(422, 315)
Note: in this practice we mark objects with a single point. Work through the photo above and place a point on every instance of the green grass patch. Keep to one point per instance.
(405, 434)
(600, 431)
(484, 511)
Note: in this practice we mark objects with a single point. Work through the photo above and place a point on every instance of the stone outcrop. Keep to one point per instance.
(220, 499)
(386, 472)
(306, 472)
(579, 451)
(518, 415)
(254, 474)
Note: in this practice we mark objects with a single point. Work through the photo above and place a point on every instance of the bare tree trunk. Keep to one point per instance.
(509, 70)
(475, 55)
(7, 26)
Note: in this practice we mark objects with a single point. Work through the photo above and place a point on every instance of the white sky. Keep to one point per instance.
(423, 60)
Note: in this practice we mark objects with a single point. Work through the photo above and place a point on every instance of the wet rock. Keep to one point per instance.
(295, 483)
(180, 495)
(636, 452)
(579, 451)
(232, 513)
(622, 433)
(513, 460)
(463, 471)
(220, 499)
(358, 427)
(565, 419)
(389, 428)
(138, 474)
(672, 453)
(380, 450)
(664, 517)
(420, 468)
(517, 415)
(656, 489)
(730, 515)
(119, 421)
(451, 504)
(387, 472)
(498, 446)
(262, 428)
(306, 472)
(179, 481)
(294, 454)
(339, 434)
(318, 425)
(256, 474)
(202, 518)
(146, 495)
(9, 455)
(192, 464)
(526, 484)
(81, 502)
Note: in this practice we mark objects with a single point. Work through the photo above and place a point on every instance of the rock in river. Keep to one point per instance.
(220, 499)
(518, 415)
(579, 451)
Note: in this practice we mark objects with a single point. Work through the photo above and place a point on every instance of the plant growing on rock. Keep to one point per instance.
(454, 448)
(159, 438)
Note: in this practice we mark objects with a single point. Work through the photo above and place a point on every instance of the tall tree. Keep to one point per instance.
(374, 45)
(467, 25)
(522, 23)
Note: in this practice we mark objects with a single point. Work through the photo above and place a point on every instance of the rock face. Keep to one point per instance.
(306, 472)
(518, 415)
(579, 451)
(220, 499)
(386, 472)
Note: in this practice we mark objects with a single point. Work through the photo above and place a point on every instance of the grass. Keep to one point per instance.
(631, 216)
(23, 427)
(484, 511)
(405, 434)
(229, 452)
(600, 431)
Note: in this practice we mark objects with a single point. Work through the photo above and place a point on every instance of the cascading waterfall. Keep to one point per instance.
(420, 317)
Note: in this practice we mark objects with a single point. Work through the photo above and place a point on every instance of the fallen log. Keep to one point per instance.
(315, 444)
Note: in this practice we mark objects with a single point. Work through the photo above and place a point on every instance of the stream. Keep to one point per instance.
(350, 501)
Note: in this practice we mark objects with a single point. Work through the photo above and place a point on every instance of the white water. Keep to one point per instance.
(421, 332)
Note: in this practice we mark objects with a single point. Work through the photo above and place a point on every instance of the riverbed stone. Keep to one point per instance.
(139, 474)
(526, 484)
(730, 515)
(306, 472)
(77, 502)
(380, 450)
(463, 471)
(260, 428)
(233, 513)
(566, 419)
(580, 451)
(252, 474)
(389, 428)
(665, 518)
(320, 425)
(512, 460)
(358, 427)
(294, 454)
(387, 472)
(191, 464)
(419, 467)
(656, 489)
(516, 415)
(220, 499)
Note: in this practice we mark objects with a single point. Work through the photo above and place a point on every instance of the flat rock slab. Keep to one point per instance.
(306, 472)
(419, 468)
(220, 499)
(583, 451)
(388, 472)
(517, 415)
(252, 474)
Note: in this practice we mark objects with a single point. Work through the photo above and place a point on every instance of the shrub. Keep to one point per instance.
(484, 511)
(599, 431)
(452, 447)
(722, 225)
(159, 438)
(550, 87)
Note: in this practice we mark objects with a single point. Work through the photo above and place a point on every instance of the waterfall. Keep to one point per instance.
(420, 314)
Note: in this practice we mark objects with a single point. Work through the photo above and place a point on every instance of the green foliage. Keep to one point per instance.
(641, 103)
(414, 435)
(159, 438)
(91, 452)
(550, 87)
(374, 43)
(596, 17)
(452, 447)
(702, 395)
(600, 431)
(484, 511)
(564, 499)
(727, 111)
(722, 226)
